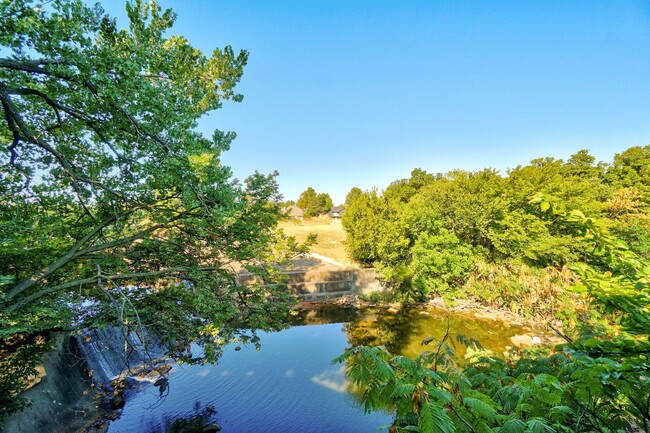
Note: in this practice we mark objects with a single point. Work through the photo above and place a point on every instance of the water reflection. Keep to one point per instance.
(333, 379)
(401, 331)
(290, 385)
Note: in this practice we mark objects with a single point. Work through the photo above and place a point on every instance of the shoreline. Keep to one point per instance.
(539, 330)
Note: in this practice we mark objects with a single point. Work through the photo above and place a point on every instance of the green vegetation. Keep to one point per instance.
(478, 234)
(475, 234)
(114, 209)
(313, 203)
(599, 381)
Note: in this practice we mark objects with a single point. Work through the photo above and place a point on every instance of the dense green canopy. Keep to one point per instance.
(597, 381)
(313, 203)
(444, 234)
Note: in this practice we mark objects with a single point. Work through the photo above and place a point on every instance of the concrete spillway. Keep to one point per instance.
(329, 283)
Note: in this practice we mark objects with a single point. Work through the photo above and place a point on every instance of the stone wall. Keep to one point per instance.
(64, 400)
(316, 284)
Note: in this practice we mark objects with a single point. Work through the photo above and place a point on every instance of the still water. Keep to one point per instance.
(290, 384)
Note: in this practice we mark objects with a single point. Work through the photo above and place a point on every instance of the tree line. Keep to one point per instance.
(596, 381)
(476, 234)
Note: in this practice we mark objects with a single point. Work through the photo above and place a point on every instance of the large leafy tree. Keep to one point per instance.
(313, 203)
(109, 196)
(352, 195)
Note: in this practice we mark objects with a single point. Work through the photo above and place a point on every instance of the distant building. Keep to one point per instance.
(294, 212)
(336, 211)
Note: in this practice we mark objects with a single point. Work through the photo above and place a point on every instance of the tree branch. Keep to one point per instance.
(175, 271)
(32, 66)
(27, 283)
(76, 252)
(21, 131)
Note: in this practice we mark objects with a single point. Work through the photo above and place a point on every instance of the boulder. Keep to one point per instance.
(525, 340)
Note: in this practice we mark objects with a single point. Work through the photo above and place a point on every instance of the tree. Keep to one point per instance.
(631, 168)
(361, 221)
(109, 196)
(313, 203)
(325, 202)
(438, 262)
(308, 202)
(581, 164)
(353, 194)
(420, 178)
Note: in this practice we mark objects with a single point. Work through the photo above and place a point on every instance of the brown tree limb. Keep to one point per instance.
(169, 272)
(27, 283)
(22, 132)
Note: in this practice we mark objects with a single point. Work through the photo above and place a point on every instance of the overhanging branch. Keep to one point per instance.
(170, 272)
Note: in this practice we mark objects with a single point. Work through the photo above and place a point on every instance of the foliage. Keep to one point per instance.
(491, 216)
(631, 168)
(361, 221)
(19, 357)
(114, 209)
(438, 262)
(352, 195)
(597, 381)
(314, 204)
(525, 290)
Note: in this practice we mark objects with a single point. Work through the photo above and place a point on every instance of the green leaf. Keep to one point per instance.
(514, 425)
(432, 418)
(545, 206)
(480, 408)
(537, 425)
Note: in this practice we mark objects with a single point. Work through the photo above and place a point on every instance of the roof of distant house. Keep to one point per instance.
(294, 211)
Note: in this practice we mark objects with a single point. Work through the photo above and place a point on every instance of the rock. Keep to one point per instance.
(162, 384)
(438, 302)
(113, 415)
(525, 340)
(36, 379)
(237, 348)
(211, 428)
(163, 368)
(392, 310)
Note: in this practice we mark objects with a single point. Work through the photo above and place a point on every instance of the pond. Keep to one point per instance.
(290, 385)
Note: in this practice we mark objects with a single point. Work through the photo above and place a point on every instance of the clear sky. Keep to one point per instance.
(358, 93)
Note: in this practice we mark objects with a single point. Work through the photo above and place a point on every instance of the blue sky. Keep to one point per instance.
(358, 93)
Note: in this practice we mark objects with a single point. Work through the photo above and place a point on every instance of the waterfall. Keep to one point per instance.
(116, 351)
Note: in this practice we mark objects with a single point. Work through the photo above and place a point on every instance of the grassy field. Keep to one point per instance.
(331, 237)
